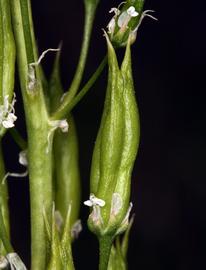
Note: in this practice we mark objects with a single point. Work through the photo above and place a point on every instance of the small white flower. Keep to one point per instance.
(94, 201)
(9, 121)
(111, 26)
(7, 113)
(123, 19)
(126, 16)
(112, 23)
(132, 12)
(23, 158)
(63, 125)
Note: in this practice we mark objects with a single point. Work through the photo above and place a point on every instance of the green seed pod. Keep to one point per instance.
(68, 190)
(115, 151)
(59, 252)
(125, 22)
(66, 156)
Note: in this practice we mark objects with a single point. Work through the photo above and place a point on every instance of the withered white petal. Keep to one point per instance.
(76, 229)
(23, 158)
(116, 204)
(15, 262)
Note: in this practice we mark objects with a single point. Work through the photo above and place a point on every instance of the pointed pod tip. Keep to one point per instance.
(109, 44)
(112, 59)
(126, 63)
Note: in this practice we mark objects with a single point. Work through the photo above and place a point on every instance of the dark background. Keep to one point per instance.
(169, 180)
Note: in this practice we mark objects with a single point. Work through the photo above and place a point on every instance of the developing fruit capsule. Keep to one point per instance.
(115, 150)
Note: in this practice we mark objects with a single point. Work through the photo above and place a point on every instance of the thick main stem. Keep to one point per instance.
(105, 245)
(37, 120)
(40, 177)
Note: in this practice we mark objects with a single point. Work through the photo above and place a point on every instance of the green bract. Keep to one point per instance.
(115, 151)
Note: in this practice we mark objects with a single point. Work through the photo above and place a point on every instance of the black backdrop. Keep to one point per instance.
(169, 180)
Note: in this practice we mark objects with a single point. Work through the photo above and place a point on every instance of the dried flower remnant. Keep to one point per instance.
(7, 113)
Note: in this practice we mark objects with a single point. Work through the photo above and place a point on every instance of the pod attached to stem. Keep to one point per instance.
(114, 155)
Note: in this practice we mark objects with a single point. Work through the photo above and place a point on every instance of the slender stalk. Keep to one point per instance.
(7, 56)
(105, 245)
(3, 201)
(64, 109)
(1, 51)
(7, 51)
(90, 10)
(40, 159)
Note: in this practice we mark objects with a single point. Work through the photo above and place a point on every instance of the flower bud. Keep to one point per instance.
(125, 22)
(115, 151)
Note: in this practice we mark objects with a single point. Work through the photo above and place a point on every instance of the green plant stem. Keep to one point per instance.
(90, 10)
(65, 109)
(4, 236)
(7, 51)
(3, 201)
(7, 55)
(37, 120)
(18, 138)
(40, 176)
(1, 51)
(105, 245)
